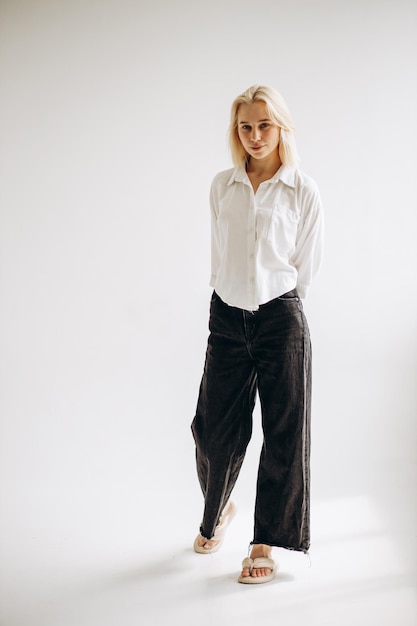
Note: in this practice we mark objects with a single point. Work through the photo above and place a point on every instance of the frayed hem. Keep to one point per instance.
(305, 551)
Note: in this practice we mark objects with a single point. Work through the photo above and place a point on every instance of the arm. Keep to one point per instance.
(308, 253)
(215, 239)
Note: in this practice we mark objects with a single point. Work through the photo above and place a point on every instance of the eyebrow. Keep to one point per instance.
(265, 120)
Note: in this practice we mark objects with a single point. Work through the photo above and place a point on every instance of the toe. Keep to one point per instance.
(260, 572)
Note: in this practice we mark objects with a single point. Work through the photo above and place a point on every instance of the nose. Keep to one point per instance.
(254, 135)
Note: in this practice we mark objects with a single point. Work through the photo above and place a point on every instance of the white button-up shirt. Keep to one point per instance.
(266, 243)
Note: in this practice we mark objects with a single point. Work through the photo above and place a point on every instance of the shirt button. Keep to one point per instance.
(251, 256)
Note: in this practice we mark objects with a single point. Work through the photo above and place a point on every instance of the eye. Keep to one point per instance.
(264, 125)
(245, 127)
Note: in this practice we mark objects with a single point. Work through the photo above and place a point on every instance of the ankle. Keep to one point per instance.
(260, 550)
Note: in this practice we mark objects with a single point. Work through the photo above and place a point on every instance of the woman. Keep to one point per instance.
(267, 230)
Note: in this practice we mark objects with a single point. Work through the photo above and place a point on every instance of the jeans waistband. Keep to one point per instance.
(289, 295)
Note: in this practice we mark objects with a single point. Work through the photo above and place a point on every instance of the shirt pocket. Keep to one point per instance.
(278, 225)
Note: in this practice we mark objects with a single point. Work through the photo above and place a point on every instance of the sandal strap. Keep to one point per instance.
(225, 520)
(263, 562)
(260, 562)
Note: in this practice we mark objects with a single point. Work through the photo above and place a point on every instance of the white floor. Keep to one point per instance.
(97, 522)
(113, 561)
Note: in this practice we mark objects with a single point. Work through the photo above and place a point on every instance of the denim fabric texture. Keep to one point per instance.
(266, 351)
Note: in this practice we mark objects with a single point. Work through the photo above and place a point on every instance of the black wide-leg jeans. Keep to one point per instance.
(268, 351)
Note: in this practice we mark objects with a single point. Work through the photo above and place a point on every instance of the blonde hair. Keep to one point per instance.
(278, 113)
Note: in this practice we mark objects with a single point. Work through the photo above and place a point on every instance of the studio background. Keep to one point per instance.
(114, 119)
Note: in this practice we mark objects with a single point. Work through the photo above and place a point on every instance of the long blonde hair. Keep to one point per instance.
(279, 114)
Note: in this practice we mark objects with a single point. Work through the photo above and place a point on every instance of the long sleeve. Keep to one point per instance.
(215, 235)
(309, 244)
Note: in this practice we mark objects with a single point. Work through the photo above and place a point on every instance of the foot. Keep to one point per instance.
(202, 545)
(259, 550)
(207, 544)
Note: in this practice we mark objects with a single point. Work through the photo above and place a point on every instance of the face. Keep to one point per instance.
(258, 134)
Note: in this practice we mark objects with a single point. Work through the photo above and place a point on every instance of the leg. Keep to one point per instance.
(222, 426)
(283, 352)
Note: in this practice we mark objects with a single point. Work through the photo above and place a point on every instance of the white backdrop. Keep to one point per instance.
(113, 122)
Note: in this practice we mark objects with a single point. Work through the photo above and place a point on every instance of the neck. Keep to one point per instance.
(264, 167)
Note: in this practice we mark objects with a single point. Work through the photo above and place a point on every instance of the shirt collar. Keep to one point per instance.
(285, 173)
(238, 175)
